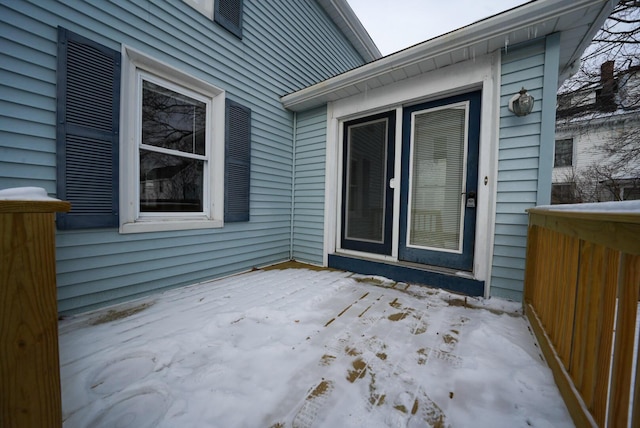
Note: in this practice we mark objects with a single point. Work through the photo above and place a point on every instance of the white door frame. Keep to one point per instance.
(480, 73)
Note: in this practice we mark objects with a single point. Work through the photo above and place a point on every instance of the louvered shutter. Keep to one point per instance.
(87, 132)
(237, 173)
(228, 13)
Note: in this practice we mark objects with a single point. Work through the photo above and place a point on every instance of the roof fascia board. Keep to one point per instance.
(348, 22)
(586, 40)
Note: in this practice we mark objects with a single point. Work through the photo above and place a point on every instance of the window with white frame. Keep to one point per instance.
(563, 153)
(205, 7)
(172, 149)
(145, 146)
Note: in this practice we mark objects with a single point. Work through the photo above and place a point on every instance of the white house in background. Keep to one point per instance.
(586, 121)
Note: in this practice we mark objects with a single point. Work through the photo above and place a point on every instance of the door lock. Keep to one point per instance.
(471, 199)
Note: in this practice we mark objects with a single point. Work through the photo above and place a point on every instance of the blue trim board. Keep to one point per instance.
(408, 274)
(548, 125)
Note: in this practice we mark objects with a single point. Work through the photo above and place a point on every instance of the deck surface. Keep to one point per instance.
(304, 348)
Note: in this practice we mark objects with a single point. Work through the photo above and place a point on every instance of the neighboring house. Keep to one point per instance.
(165, 125)
(587, 121)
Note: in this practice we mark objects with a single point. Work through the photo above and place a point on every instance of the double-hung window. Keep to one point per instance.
(563, 153)
(172, 148)
(145, 146)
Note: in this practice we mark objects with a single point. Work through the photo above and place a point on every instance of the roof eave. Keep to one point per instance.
(569, 67)
(347, 21)
(527, 15)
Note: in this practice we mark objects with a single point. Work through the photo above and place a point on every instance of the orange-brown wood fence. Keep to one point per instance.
(582, 286)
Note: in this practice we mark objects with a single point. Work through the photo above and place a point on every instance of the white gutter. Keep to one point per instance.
(501, 25)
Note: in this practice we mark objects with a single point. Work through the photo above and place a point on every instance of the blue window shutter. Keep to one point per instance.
(87, 132)
(228, 13)
(237, 172)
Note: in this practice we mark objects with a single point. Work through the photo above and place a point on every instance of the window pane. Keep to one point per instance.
(170, 183)
(631, 193)
(366, 181)
(171, 120)
(564, 152)
(564, 193)
(205, 7)
(437, 178)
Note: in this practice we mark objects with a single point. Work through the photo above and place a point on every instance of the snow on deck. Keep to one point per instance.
(306, 348)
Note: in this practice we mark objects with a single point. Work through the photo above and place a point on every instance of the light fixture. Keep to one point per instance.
(521, 103)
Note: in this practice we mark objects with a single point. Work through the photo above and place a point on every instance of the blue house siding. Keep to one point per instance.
(521, 142)
(309, 186)
(286, 45)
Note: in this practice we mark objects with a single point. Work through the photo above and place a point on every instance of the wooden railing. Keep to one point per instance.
(582, 286)
(30, 393)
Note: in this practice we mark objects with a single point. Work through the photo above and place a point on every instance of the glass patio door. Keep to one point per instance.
(367, 198)
(439, 182)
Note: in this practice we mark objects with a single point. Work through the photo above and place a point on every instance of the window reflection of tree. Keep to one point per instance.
(168, 182)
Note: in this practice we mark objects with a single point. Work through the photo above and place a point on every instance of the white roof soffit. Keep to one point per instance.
(577, 20)
(347, 21)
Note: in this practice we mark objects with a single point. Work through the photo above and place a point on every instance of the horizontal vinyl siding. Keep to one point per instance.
(27, 104)
(286, 45)
(518, 161)
(308, 219)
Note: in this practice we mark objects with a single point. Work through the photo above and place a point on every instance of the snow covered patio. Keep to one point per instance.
(301, 348)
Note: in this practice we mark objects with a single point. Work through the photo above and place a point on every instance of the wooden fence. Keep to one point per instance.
(582, 286)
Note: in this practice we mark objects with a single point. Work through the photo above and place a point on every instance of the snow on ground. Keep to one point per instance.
(305, 348)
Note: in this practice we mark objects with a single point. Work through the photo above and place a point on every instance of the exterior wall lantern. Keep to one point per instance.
(521, 103)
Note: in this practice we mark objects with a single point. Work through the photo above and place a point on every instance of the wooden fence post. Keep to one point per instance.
(29, 361)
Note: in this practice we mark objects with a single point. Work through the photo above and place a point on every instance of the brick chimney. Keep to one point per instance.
(606, 95)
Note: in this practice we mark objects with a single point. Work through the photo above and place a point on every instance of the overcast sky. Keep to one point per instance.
(396, 24)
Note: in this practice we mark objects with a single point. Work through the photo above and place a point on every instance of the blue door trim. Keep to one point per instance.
(409, 274)
(462, 261)
(371, 247)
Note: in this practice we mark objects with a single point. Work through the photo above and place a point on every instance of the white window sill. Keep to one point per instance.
(169, 225)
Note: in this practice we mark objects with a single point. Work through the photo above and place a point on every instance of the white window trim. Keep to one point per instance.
(134, 61)
(464, 105)
(573, 153)
(205, 7)
(205, 213)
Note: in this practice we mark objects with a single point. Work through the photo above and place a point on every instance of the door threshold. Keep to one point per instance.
(438, 269)
(432, 276)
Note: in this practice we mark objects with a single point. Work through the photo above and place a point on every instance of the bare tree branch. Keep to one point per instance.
(606, 92)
